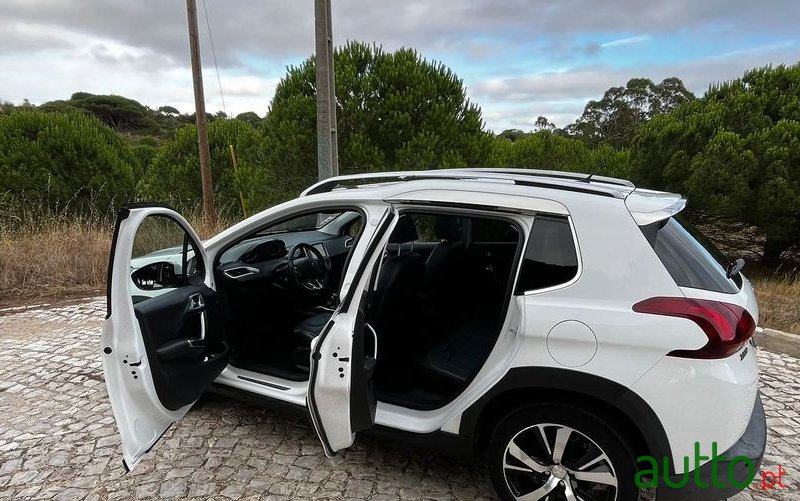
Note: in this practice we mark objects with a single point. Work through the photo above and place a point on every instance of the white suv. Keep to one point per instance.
(570, 330)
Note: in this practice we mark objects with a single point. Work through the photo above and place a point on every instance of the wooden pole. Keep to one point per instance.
(209, 213)
(327, 148)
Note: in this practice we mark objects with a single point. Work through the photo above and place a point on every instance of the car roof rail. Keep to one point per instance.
(545, 173)
(567, 181)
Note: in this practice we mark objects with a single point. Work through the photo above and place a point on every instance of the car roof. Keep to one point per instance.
(526, 189)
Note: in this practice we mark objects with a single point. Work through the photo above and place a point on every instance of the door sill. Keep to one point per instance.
(264, 385)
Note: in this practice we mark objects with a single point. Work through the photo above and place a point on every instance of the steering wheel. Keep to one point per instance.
(308, 268)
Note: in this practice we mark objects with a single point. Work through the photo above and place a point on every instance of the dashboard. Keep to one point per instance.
(265, 257)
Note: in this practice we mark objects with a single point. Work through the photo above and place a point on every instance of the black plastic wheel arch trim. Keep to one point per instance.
(621, 398)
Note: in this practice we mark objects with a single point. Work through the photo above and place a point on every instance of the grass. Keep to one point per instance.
(779, 301)
(60, 253)
(67, 260)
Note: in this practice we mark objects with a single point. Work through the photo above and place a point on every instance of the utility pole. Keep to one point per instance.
(327, 147)
(209, 213)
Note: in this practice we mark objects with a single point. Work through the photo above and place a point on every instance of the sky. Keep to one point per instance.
(518, 59)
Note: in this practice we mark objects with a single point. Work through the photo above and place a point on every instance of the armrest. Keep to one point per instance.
(182, 348)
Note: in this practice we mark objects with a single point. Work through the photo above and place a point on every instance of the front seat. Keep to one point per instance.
(398, 285)
(395, 295)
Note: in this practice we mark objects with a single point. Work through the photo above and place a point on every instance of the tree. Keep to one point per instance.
(174, 173)
(6, 107)
(735, 152)
(122, 114)
(72, 157)
(513, 134)
(395, 110)
(117, 112)
(615, 118)
(169, 110)
(250, 117)
(544, 150)
(543, 124)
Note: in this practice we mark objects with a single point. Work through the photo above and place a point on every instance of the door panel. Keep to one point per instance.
(161, 344)
(341, 396)
(182, 336)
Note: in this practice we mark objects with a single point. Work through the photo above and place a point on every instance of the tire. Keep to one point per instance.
(594, 456)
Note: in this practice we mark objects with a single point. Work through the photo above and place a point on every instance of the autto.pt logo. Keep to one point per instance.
(725, 472)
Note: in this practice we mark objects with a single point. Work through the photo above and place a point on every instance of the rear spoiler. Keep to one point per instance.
(648, 206)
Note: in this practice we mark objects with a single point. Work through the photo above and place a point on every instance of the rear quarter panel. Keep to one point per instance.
(618, 269)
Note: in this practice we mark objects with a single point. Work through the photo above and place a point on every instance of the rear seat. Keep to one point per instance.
(460, 354)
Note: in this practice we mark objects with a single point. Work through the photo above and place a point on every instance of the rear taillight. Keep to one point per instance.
(727, 326)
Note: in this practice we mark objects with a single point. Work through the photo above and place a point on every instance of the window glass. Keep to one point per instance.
(689, 257)
(307, 222)
(424, 223)
(486, 230)
(164, 258)
(550, 257)
(354, 228)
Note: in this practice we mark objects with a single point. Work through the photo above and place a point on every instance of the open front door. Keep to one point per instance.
(162, 343)
(341, 396)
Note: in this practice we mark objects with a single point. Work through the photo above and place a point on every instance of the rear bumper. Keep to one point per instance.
(727, 470)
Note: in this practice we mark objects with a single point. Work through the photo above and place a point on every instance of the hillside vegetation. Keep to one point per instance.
(66, 165)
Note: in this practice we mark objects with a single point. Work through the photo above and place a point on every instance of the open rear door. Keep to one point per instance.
(341, 396)
(162, 344)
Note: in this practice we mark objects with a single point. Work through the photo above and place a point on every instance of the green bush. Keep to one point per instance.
(545, 150)
(71, 157)
(174, 173)
(735, 153)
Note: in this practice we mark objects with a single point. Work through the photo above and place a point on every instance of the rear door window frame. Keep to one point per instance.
(578, 272)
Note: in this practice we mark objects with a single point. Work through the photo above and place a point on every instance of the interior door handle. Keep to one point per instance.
(185, 348)
(375, 338)
(196, 302)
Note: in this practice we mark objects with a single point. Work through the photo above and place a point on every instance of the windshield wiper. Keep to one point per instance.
(734, 268)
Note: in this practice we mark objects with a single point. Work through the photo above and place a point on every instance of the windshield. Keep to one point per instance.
(309, 222)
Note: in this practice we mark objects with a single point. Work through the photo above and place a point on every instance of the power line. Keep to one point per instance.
(214, 55)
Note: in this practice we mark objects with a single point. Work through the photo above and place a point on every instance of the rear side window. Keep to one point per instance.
(689, 257)
(550, 257)
(493, 231)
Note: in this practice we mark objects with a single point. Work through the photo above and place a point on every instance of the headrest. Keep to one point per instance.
(447, 228)
(404, 232)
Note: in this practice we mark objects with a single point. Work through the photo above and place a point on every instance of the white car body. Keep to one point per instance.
(584, 330)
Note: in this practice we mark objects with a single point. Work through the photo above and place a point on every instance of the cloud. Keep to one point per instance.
(51, 48)
(565, 93)
(285, 29)
(19, 37)
(626, 41)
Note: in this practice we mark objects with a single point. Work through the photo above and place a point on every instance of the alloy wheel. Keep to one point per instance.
(553, 462)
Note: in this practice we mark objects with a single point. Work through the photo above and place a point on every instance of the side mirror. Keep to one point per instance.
(155, 276)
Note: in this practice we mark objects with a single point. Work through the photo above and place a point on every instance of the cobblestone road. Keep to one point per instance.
(58, 439)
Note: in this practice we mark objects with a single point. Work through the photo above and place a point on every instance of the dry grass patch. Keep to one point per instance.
(779, 302)
(47, 254)
(66, 261)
